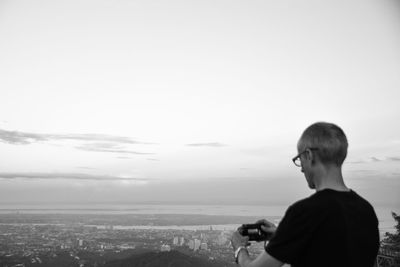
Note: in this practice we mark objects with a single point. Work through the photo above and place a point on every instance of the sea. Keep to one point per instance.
(384, 213)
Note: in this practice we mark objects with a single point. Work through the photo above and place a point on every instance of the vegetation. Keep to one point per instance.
(167, 259)
(391, 241)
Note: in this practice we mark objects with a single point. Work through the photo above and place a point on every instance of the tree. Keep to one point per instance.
(391, 241)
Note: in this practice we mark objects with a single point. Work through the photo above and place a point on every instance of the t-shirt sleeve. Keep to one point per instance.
(292, 236)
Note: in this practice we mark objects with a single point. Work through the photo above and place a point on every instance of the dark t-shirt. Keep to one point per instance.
(329, 228)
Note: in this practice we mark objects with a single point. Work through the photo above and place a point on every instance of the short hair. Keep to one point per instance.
(329, 139)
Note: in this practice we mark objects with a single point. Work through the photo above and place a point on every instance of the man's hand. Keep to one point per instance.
(267, 227)
(238, 240)
(263, 259)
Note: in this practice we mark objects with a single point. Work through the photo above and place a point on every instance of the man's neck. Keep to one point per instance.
(330, 178)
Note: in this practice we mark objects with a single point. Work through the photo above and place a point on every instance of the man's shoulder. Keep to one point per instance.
(323, 199)
(305, 203)
(328, 201)
(303, 206)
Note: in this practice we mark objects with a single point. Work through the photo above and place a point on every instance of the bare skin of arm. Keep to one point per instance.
(263, 259)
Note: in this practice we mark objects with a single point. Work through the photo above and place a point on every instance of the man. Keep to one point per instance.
(332, 227)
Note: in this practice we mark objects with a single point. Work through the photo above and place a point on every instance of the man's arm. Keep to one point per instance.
(262, 260)
(244, 260)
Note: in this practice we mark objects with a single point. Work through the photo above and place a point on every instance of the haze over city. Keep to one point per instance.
(193, 102)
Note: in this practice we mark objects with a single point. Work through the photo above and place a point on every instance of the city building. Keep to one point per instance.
(197, 244)
(165, 248)
(191, 244)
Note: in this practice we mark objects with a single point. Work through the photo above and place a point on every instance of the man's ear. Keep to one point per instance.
(310, 155)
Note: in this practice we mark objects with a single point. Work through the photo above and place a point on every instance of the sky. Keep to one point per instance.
(194, 101)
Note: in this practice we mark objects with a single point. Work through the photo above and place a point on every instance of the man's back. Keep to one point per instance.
(333, 227)
(330, 228)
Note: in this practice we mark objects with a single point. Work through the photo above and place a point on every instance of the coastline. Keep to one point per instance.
(386, 222)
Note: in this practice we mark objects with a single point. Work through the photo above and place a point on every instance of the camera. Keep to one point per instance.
(254, 232)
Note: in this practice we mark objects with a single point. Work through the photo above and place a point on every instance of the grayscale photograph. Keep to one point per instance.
(146, 133)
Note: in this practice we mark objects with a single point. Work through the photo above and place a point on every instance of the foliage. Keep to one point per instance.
(392, 240)
(172, 258)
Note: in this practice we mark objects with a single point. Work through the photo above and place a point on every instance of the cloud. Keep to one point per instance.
(110, 148)
(20, 138)
(153, 159)
(363, 171)
(86, 168)
(212, 144)
(374, 159)
(356, 162)
(25, 138)
(69, 176)
(92, 142)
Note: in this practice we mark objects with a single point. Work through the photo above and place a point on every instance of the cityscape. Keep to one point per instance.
(29, 243)
(144, 133)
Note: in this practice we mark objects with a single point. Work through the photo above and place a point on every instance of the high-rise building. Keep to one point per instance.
(181, 241)
(165, 248)
(203, 246)
(222, 239)
(197, 244)
(191, 244)
(175, 241)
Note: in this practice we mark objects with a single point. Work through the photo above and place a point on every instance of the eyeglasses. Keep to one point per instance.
(296, 160)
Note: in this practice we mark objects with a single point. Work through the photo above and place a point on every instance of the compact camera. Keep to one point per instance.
(254, 232)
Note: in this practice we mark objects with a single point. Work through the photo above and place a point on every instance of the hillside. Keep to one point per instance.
(165, 259)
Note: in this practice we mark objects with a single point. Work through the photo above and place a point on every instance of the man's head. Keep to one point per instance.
(324, 145)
